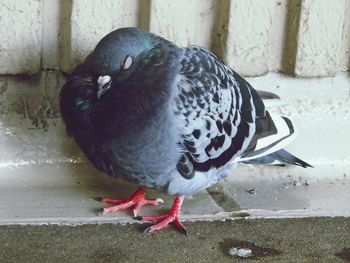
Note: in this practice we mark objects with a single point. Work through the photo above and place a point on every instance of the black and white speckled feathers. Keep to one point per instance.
(217, 109)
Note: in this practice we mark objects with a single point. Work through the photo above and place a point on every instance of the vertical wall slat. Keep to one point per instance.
(91, 20)
(319, 38)
(277, 34)
(345, 51)
(183, 22)
(50, 33)
(290, 36)
(248, 36)
(20, 32)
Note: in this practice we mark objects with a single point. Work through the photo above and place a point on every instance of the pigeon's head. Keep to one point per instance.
(117, 54)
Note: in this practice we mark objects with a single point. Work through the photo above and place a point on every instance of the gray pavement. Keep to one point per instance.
(270, 240)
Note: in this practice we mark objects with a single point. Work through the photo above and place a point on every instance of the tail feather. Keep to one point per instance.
(266, 95)
(281, 156)
(273, 133)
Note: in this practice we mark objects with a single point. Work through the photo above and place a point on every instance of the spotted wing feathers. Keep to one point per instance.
(215, 108)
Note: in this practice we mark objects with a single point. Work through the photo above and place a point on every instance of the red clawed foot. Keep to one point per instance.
(136, 201)
(172, 217)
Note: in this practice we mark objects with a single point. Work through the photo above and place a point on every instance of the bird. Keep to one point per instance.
(162, 116)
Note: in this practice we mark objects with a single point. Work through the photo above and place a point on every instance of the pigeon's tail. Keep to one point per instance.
(278, 158)
(273, 133)
(266, 95)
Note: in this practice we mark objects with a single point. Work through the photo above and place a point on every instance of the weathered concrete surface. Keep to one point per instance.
(345, 50)
(320, 32)
(51, 31)
(31, 129)
(64, 193)
(289, 240)
(90, 21)
(248, 36)
(184, 22)
(277, 40)
(316, 106)
(20, 36)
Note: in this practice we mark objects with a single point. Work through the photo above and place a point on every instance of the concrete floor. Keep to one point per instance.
(45, 179)
(271, 240)
(65, 194)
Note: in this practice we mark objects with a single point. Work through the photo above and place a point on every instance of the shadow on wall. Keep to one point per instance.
(65, 35)
(290, 37)
(144, 14)
(220, 27)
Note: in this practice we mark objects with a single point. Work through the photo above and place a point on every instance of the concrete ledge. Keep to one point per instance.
(44, 177)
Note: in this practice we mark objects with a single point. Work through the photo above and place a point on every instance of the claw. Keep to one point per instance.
(98, 199)
(147, 230)
(184, 231)
(180, 227)
(159, 200)
(164, 220)
(100, 212)
(136, 201)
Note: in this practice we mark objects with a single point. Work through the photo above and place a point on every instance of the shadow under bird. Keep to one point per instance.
(176, 119)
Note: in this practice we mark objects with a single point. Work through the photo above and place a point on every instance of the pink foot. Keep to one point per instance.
(173, 216)
(136, 201)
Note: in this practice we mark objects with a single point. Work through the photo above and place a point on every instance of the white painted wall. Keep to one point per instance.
(306, 38)
(319, 38)
(20, 36)
(183, 23)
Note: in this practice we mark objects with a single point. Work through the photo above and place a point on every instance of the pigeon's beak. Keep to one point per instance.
(104, 83)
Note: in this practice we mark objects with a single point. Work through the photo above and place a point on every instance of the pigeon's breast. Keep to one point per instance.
(146, 155)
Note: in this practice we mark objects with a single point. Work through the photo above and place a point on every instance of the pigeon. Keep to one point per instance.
(173, 118)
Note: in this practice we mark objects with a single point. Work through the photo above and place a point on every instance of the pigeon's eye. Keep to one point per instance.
(127, 62)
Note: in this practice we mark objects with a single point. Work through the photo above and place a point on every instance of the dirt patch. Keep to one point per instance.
(223, 200)
(246, 249)
(344, 254)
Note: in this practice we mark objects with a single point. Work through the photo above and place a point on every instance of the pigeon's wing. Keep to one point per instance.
(216, 109)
